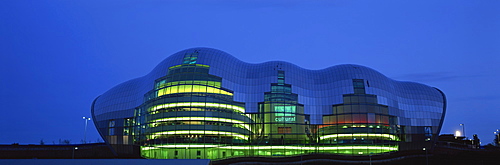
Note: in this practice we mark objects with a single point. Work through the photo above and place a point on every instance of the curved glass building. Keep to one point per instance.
(203, 103)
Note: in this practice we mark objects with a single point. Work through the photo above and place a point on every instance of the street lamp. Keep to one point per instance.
(497, 141)
(73, 155)
(85, 132)
(426, 157)
(371, 158)
(463, 129)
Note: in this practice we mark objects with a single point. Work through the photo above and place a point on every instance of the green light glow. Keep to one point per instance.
(201, 132)
(387, 136)
(284, 119)
(284, 110)
(191, 89)
(204, 119)
(194, 82)
(214, 151)
(176, 66)
(188, 146)
(198, 104)
(369, 147)
(391, 148)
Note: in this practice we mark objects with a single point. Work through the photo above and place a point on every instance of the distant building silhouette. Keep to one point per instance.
(451, 140)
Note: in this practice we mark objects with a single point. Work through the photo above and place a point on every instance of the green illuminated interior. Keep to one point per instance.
(362, 135)
(199, 104)
(204, 151)
(217, 127)
(162, 84)
(191, 89)
(177, 66)
(246, 126)
(284, 110)
(199, 132)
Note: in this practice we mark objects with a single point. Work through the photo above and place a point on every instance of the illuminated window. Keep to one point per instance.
(285, 110)
(126, 131)
(191, 88)
(190, 58)
(281, 77)
(283, 130)
(128, 122)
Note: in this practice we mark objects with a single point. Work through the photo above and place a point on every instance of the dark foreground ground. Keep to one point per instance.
(441, 155)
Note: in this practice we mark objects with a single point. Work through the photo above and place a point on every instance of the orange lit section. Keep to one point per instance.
(356, 119)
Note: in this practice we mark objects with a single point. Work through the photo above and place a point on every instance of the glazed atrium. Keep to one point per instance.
(203, 103)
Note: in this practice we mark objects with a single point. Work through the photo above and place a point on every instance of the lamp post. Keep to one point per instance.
(371, 158)
(463, 129)
(85, 131)
(497, 141)
(426, 157)
(73, 155)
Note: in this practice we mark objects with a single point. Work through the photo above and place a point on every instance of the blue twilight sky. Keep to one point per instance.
(56, 56)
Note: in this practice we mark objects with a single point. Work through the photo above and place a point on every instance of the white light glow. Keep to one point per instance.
(458, 133)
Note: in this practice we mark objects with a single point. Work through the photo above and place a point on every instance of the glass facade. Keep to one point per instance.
(202, 103)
